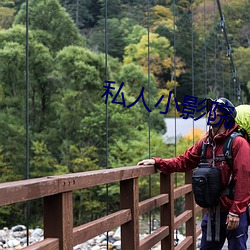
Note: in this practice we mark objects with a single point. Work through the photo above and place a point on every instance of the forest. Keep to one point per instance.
(158, 47)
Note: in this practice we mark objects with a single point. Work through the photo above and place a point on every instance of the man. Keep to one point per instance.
(233, 212)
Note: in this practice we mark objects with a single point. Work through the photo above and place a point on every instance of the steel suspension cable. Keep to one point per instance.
(27, 207)
(149, 121)
(229, 83)
(174, 73)
(175, 92)
(107, 120)
(222, 68)
(223, 80)
(215, 52)
(229, 54)
(205, 50)
(192, 77)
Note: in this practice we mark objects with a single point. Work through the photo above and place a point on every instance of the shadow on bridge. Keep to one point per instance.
(59, 232)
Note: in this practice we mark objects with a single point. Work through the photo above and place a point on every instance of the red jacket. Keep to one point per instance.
(241, 167)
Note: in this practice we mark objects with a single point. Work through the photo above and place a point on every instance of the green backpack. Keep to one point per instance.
(243, 120)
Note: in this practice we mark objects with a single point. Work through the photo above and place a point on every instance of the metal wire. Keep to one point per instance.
(27, 207)
(229, 54)
(205, 50)
(205, 54)
(222, 68)
(174, 74)
(192, 19)
(149, 122)
(215, 52)
(107, 121)
(175, 92)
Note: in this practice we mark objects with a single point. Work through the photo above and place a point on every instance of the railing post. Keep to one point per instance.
(129, 198)
(58, 219)
(190, 205)
(167, 210)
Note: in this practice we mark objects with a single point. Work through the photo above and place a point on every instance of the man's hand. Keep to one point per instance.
(232, 221)
(146, 162)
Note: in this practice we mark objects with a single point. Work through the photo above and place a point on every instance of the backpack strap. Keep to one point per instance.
(227, 151)
(227, 148)
(203, 152)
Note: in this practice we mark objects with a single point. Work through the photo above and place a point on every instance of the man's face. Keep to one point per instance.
(214, 115)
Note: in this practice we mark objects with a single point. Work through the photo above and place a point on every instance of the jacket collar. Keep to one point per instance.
(222, 136)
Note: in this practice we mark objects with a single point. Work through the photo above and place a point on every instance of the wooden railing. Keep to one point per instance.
(56, 192)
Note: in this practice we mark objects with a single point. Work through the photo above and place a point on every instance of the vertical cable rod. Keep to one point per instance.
(174, 73)
(205, 53)
(215, 52)
(27, 207)
(205, 49)
(149, 121)
(192, 24)
(175, 92)
(229, 84)
(107, 121)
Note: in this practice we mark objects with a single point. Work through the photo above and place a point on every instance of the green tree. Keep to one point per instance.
(13, 148)
(241, 56)
(161, 57)
(13, 60)
(117, 32)
(42, 163)
(6, 17)
(84, 13)
(53, 25)
(161, 16)
(79, 76)
(12, 108)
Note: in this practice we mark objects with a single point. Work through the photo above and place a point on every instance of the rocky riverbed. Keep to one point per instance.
(16, 238)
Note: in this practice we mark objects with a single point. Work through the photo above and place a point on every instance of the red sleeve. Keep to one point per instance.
(241, 175)
(185, 162)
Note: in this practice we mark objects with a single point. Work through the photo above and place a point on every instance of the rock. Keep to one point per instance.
(117, 235)
(3, 233)
(13, 243)
(111, 233)
(103, 243)
(111, 239)
(38, 232)
(23, 240)
(18, 234)
(18, 228)
(100, 238)
(117, 244)
(80, 246)
(91, 242)
(12, 240)
(18, 247)
(95, 248)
